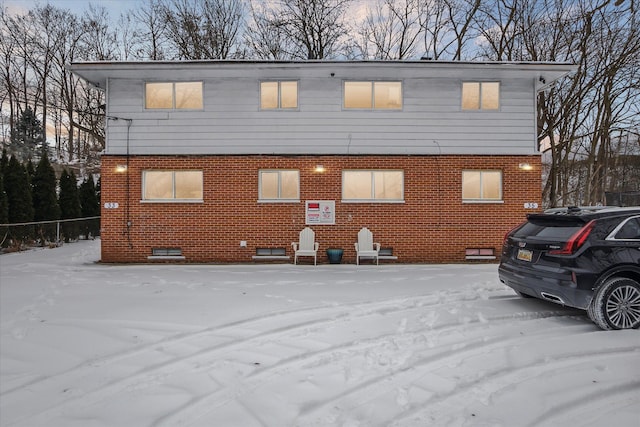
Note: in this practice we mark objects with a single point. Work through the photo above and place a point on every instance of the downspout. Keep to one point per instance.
(128, 223)
(128, 189)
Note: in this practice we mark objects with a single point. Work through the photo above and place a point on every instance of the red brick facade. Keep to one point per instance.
(433, 225)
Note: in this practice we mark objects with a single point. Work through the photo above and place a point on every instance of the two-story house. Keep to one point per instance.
(226, 161)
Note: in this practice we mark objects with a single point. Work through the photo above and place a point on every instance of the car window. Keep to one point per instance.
(630, 230)
(548, 231)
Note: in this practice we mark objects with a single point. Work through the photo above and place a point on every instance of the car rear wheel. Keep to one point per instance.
(616, 304)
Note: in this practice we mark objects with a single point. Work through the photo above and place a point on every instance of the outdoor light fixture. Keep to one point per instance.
(319, 168)
(525, 166)
(121, 168)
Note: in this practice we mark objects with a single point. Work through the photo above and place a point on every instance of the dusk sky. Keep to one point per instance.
(115, 7)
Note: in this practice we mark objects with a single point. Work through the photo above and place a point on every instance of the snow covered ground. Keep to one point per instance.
(87, 344)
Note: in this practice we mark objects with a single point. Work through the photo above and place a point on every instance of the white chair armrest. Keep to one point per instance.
(316, 246)
(295, 246)
(377, 245)
(356, 245)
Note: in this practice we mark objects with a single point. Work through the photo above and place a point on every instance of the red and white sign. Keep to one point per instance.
(320, 212)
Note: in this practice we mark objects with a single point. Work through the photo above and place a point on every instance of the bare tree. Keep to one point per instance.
(614, 96)
(204, 29)
(126, 37)
(12, 62)
(8, 85)
(149, 38)
(434, 29)
(447, 27)
(99, 41)
(265, 38)
(389, 31)
(578, 115)
(624, 173)
(499, 23)
(64, 83)
(45, 42)
(26, 65)
(315, 28)
(80, 126)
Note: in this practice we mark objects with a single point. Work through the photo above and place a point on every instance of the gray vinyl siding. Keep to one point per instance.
(231, 122)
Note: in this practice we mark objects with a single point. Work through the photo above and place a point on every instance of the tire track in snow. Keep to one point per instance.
(103, 388)
(367, 307)
(622, 395)
(318, 316)
(170, 363)
(185, 336)
(199, 407)
(500, 378)
(450, 357)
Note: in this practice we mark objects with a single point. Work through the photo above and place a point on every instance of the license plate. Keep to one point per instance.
(525, 255)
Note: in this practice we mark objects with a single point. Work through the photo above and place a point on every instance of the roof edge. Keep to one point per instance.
(317, 61)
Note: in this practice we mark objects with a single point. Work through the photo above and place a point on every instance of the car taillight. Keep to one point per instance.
(508, 233)
(575, 241)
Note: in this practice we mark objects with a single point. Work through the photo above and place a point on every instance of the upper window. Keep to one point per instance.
(480, 95)
(373, 185)
(278, 95)
(373, 95)
(174, 95)
(481, 185)
(172, 185)
(279, 185)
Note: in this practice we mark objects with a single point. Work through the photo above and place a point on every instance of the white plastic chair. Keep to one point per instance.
(306, 246)
(365, 247)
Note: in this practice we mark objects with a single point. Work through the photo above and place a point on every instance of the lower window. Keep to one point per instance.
(481, 185)
(184, 185)
(373, 185)
(279, 185)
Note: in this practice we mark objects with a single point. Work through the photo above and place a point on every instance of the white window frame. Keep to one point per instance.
(280, 107)
(278, 199)
(173, 95)
(483, 199)
(373, 95)
(372, 199)
(173, 189)
(480, 84)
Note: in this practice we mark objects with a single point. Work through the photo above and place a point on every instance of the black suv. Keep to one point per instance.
(587, 258)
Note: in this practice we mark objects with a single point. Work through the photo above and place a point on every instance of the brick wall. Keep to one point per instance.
(431, 226)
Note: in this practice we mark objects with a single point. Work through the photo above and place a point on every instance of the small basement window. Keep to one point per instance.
(166, 253)
(271, 253)
(386, 253)
(479, 253)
